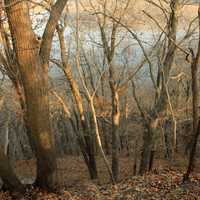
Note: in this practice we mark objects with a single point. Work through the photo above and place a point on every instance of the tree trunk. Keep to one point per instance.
(195, 107)
(115, 135)
(10, 180)
(148, 149)
(20, 94)
(86, 141)
(192, 154)
(105, 132)
(35, 86)
(113, 179)
(161, 102)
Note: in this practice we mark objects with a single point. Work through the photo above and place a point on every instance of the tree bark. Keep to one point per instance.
(35, 86)
(195, 107)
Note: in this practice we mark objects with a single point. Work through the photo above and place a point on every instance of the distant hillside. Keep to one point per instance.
(134, 16)
(192, 1)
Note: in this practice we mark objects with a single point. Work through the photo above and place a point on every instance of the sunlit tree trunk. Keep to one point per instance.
(33, 71)
(86, 141)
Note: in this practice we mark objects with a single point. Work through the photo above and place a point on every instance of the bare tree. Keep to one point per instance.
(86, 141)
(161, 100)
(109, 47)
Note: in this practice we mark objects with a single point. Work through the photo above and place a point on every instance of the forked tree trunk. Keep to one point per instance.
(35, 86)
(161, 103)
(109, 52)
(86, 141)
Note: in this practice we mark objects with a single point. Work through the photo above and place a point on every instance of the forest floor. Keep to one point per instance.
(163, 182)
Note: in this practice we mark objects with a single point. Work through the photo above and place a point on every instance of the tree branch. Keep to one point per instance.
(47, 37)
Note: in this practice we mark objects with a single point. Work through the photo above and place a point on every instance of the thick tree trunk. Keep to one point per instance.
(35, 86)
(90, 149)
(146, 152)
(148, 149)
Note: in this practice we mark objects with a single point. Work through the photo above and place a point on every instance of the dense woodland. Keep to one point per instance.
(99, 99)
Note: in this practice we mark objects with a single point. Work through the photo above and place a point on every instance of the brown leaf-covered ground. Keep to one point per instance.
(163, 183)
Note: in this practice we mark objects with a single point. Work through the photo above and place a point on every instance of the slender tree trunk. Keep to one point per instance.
(86, 141)
(99, 141)
(115, 135)
(135, 159)
(105, 132)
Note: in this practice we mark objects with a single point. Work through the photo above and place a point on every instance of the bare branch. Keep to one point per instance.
(47, 37)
